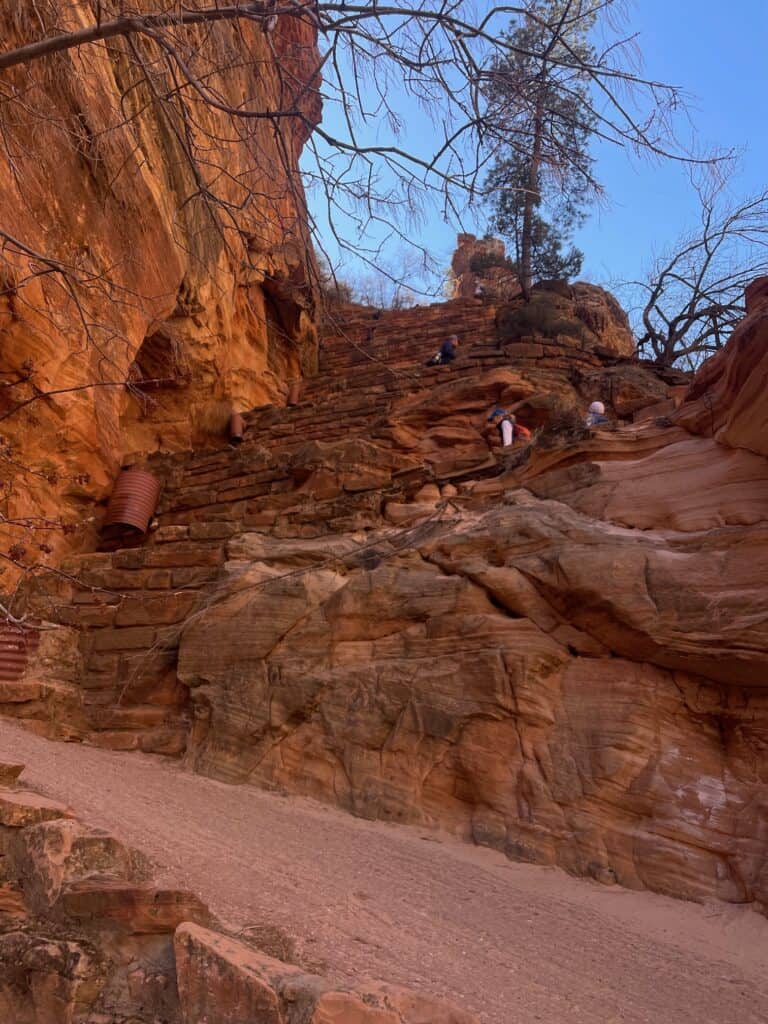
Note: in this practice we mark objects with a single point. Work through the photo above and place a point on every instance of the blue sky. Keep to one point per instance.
(717, 53)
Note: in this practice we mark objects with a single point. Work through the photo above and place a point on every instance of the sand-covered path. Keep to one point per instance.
(514, 943)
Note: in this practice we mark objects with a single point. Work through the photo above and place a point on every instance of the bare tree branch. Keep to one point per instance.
(694, 294)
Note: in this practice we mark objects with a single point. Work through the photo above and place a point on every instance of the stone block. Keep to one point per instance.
(128, 639)
(120, 580)
(85, 615)
(212, 531)
(20, 691)
(95, 597)
(222, 981)
(166, 534)
(129, 558)
(181, 556)
(95, 560)
(150, 610)
(53, 854)
(140, 909)
(19, 808)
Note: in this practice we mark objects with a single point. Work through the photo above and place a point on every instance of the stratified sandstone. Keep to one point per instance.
(558, 651)
(93, 174)
(727, 400)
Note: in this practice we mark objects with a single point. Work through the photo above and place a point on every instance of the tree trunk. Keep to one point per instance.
(533, 194)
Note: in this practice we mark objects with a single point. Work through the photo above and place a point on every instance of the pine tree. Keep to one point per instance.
(541, 179)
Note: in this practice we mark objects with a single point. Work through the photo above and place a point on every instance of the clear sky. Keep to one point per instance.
(718, 53)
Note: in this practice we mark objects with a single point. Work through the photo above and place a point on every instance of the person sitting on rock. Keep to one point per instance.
(508, 427)
(447, 352)
(596, 415)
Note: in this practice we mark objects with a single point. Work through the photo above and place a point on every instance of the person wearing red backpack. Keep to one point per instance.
(508, 427)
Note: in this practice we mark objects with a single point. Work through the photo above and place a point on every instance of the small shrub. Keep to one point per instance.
(566, 427)
(543, 317)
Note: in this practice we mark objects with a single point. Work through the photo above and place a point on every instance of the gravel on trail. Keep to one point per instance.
(354, 899)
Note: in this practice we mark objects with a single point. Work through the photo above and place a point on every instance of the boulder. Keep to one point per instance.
(223, 981)
(18, 809)
(727, 398)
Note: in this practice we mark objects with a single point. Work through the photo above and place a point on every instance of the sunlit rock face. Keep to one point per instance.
(557, 650)
(210, 303)
(569, 665)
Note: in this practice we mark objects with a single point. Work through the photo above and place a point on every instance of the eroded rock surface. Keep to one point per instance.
(86, 937)
(558, 651)
(93, 174)
(727, 400)
(569, 664)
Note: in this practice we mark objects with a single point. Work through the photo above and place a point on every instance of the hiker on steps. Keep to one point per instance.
(447, 352)
(508, 427)
(596, 415)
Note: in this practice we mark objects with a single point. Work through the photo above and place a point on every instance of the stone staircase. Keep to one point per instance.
(125, 606)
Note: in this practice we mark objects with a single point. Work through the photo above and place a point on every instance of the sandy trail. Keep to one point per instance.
(514, 943)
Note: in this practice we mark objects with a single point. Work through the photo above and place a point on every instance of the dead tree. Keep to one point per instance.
(694, 294)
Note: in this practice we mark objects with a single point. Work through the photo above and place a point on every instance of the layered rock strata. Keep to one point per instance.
(130, 298)
(559, 651)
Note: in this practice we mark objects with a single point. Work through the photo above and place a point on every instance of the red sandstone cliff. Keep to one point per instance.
(210, 298)
(557, 652)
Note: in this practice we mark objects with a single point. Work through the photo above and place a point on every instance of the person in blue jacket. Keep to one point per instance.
(596, 415)
(447, 352)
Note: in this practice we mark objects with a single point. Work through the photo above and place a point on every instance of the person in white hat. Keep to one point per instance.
(596, 415)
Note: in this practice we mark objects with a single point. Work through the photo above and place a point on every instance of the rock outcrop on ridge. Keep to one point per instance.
(559, 652)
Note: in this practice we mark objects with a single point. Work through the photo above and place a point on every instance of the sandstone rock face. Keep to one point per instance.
(557, 650)
(469, 685)
(579, 317)
(556, 668)
(727, 400)
(482, 263)
(92, 174)
(68, 954)
(223, 981)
